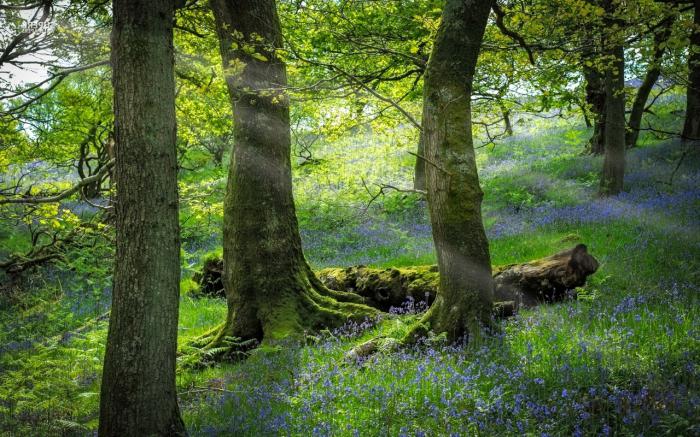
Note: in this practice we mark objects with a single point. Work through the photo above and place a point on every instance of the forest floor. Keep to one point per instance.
(622, 359)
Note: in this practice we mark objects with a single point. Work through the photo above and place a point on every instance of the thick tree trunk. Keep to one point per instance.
(595, 89)
(464, 304)
(612, 178)
(544, 280)
(419, 172)
(271, 291)
(691, 127)
(661, 36)
(138, 395)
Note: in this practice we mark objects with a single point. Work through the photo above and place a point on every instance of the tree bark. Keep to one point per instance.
(691, 127)
(419, 172)
(464, 304)
(138, 395)
(595, 88)
(595, 98)
(612, 178)
(661, 36)
(271, 291)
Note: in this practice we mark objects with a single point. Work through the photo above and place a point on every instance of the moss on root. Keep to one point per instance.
(306, 307)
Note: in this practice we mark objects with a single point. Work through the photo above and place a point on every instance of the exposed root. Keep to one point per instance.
(217, 349)
(371, 347)
(421, 330)
(307, 307)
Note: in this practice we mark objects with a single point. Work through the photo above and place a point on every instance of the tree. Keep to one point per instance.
(271, 291)
(138, 395)
(612, 178)
(691, 127)
(595, 95)
(464, 302)
(661, 36)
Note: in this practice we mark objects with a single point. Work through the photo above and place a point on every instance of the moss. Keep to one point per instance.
(189, 287)
(385, 288)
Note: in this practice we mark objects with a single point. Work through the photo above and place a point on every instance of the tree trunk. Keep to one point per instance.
(612, 178)
(661, 36)
(691, 127)
(419, 172)
(507, 125)
(271, 291)
(138, 395)
(595, 97)
(463, 305)
(584, 113)
(544, 280)
(595, 89)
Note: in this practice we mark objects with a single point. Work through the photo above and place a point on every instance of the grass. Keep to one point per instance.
(622, 359)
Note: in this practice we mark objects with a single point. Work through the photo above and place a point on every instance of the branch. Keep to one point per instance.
(384, 187)
(360, 83)
(430, 162)
(57, 77)
(62, 195)
(500, 15)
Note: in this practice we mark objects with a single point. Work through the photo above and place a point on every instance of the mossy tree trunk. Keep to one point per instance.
(612, 178)
(271, 291)
(138, 395)
(661, 36)
(464, 301)
(691, 127)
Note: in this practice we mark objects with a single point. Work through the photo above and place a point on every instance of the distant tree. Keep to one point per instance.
(138, 395)
(691, 127)
(661, 36)
(464, 302)
(271, 291)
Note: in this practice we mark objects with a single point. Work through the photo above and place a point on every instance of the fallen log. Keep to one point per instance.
(544, 280)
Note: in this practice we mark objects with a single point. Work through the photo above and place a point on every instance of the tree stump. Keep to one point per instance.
(545, 280)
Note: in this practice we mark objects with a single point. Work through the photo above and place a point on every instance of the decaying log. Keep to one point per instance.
(385, 288)
(545, 280)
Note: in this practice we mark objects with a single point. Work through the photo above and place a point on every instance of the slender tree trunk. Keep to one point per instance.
(508, 126)
(464, 302)
(661, 36)
(612, 178)
(584, 113)
(419, 172)
(691, 128)
(138, 395)
(271, 291)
